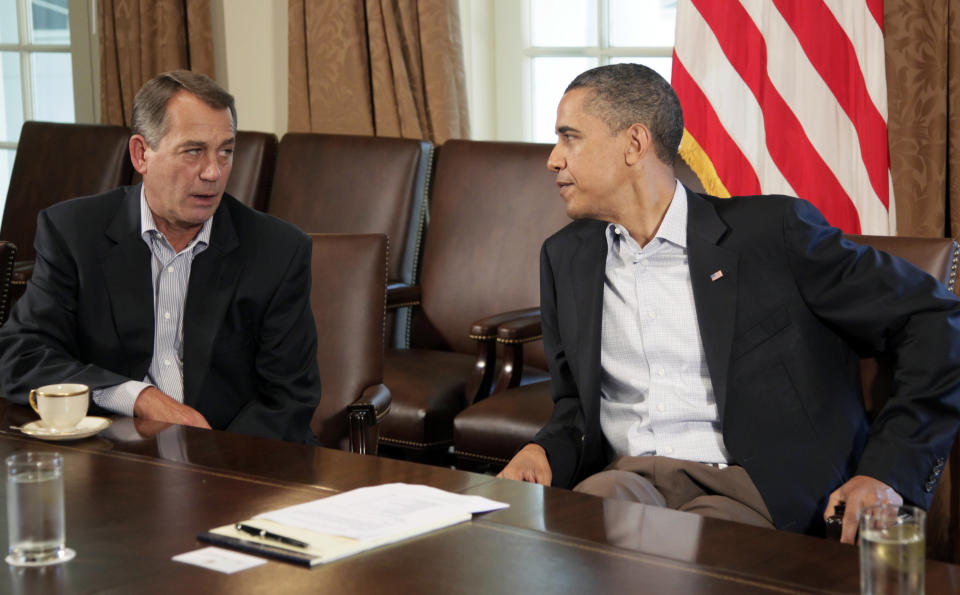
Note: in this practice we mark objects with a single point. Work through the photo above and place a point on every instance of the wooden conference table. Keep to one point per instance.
(137, 495)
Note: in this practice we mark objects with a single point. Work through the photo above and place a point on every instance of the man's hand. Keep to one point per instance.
(858, 492)
(530, 464)
(153, 404)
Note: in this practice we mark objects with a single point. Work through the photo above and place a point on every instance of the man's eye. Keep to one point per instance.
(226, 152)
(193, 151)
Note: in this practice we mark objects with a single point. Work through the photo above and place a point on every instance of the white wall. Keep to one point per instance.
(250, 54)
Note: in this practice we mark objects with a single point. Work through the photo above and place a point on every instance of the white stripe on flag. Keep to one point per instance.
(734, 103)
(826, 125)
(867, 39)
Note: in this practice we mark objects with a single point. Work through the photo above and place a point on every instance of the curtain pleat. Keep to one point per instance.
(377, 67)
(922, 39)
(139, 39)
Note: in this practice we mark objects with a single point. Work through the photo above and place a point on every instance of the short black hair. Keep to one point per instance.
(627, 94)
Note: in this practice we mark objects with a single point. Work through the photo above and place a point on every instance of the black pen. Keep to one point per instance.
(264, 534)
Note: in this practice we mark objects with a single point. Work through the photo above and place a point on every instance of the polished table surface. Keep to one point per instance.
(139, 493)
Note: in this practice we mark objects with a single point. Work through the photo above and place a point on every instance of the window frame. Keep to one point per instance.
(508, 87)
(83, 49)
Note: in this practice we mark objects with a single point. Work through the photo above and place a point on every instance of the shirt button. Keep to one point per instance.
(660, 371)
(166, 315)
(661, 407)
(652, 314)
(166, 362)
(169, 269)
(668, 450)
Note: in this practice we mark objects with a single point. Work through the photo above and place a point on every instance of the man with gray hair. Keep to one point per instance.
(171, 300)
(704, 352)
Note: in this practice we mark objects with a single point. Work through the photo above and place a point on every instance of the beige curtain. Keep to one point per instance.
(377, 67)
(139, 39)
(922, 40)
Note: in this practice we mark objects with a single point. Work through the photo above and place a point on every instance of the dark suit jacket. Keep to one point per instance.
(249, 340)
(783, 330)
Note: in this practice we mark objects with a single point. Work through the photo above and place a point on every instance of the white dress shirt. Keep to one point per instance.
(656, 394)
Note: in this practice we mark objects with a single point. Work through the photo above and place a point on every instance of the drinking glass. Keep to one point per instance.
(892, 550)
(35, 518)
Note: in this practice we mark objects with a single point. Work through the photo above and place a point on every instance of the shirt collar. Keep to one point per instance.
(148, 227)
(672, 229)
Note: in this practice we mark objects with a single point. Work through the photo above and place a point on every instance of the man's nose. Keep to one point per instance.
(211, 170)
(554, 161)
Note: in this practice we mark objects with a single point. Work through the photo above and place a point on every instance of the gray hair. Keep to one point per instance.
(149, 117)
(627, 94)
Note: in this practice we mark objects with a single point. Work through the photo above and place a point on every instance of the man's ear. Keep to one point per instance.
(138, 153)
(639, 143)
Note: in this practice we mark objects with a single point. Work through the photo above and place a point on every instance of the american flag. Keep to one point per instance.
(788, 97)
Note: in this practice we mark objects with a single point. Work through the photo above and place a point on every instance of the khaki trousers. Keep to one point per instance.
(700, 488)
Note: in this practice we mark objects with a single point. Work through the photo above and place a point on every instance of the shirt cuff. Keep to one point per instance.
(121, 397)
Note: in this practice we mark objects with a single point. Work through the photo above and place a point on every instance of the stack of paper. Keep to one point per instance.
(348, 523)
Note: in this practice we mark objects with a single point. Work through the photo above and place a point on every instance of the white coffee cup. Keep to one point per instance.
(61, 406)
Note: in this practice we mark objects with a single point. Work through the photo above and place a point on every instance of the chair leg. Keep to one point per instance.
(364, 432)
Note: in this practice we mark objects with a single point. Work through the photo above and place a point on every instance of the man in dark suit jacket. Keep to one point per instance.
(783, 306)
(171, 300)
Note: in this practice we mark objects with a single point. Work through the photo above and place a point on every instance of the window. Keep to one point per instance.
(46, 69)
(539, 46)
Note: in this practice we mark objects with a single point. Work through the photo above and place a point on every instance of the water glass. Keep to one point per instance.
(35, 518)
(892, 550)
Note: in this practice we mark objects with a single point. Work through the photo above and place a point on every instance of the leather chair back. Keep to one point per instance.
(492, 206)
(327, 183)
(8, 253)
(55, 162)
(347, 296)
(254, 159)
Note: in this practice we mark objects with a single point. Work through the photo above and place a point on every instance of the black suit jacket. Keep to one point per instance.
(249, 340)
(783, 330)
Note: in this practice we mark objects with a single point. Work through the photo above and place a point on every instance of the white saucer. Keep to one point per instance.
(87, 427)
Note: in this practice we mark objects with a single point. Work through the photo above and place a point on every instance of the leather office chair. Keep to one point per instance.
(8, 255)
(254, 159)
(347, 297)
(329, 183)
(491, 206)
(489, 433)
(55, 162)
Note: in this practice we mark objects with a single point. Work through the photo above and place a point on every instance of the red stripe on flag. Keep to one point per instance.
(876, 9)
(790, 149)
(833, 56)
(733, 168)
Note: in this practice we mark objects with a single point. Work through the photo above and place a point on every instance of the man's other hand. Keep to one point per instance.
(858, 492)
(530, 464)
(153, 404)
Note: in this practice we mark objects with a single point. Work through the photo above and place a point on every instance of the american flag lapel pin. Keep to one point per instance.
(716, 276)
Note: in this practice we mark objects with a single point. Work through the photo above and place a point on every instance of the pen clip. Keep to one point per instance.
(270, 536)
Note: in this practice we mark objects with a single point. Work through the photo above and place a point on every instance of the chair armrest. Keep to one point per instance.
(484, 332)
(486, 328)
(374, 402)
(364, 416)
(521, 330)
(512, 336)
(400, 295)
